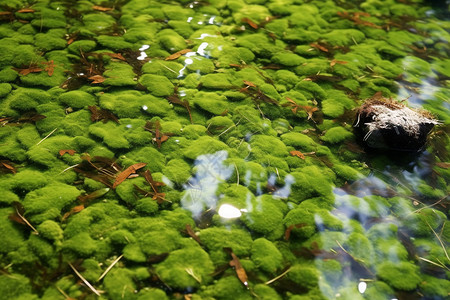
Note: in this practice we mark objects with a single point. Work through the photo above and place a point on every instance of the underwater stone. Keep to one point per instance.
(157, 85)
(387, 124)
(266, 255)
(176, 268)
(402, 276)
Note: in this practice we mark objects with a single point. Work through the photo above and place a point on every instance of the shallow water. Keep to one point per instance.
(205, 150)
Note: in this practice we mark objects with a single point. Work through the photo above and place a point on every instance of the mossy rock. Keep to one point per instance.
(47, 202)
(266, 255)
(13, 235)
(157, 85)
(177, 268)
(204, 145)
(336, 135)
(269, 144)
(119, 283)
(119, 74)
(77, 99)
(401, 276)
(81, 245)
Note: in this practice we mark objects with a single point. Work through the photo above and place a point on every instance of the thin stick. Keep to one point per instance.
(47, 136)
(110, 267)
(278, 277)
(84, 280)
(191, 272)
(26, 221)
(62, 292)
(67, 169)
(433, 263)
(440, 241)
(237, 174)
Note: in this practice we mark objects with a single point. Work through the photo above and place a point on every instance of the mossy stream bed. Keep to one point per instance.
(205, 150)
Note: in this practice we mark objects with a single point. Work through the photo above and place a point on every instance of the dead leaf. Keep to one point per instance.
(115, 55)
(334, 62)
(249, 83)
(319, 47)
(26, 10)
(7, 165)
(69, 151)
(127, 172)
(240, 271)
(443, 165)
(26, 71)
(101, 8)
(97, 79)
(297, 153)
(177, 54)
(73, 210)
(250, 22)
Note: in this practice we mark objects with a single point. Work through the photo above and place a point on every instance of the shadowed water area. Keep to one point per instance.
(205, 150)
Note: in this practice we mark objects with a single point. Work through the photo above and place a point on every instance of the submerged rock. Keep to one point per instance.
(386, 124)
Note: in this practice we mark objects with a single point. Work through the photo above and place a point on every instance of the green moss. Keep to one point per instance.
(421, 222)
(344, 37)
(29, 180)
(304, 275)
(77, 99)
(119, 74)
(331, 270)
(111, 134)
(7, 74)
(81, 245)
(310, 90)
(204, 145)
(51, 40)
(157, 85)
(171, 40)
(119, 284)
(13, 236)
(114, 43)
(288, 59)
(312, 181)
(49, 18)
(299, 140)
(216, 238)
(225, 288)
(265, 292)
(169, 69)
(177, 170)
(379, 290)
(47, 202)
(264, 217)
(83, 45)
(434, 287)
(154, 159)
(5, 89)
(151, 294)
(216, 81)
(12, 286)
(176, 268)
(147, 206)
(259, 44)
(402, 276)
(269, 144)
(266, 256)
(336, 135)
(24, 99)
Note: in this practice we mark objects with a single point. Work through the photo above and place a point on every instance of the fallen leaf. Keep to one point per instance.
(297, 153)
(69, 151)
(127, 172)
(319, 47)
(115, 55)
(50, 67)
(236, 263)
(443, 165)
(27, 71)
(334, 62)
(249, 83)
(177, 54)
(287, 233)
(26, 10)
(7, 165)
(97, 79)
(250, 22)
(73, 210)
(192, 234)
(101, 8)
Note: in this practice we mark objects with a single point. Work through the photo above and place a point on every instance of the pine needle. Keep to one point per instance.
(67, 169)
(53, 131)
(191, 272)
(26, 222)
(110, 267)
(278, 277)
(84, 280)
(433, 263)
(440, 241)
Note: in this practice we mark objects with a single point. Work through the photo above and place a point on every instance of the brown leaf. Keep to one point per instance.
(64, 151)
(127, 172)
(192, 234)
(240, 271)
(97, 79)
(101, 8)
(5, 13)
(250, 22)
(334, 61)
(27, 71)
(319, 47)
(8, 166)
(177, 54)
(249, 83)
(73, 210)
(443, 165)
(115, 55)
(287, 233)
(101, 114)
(297, 153)
(26, 10)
